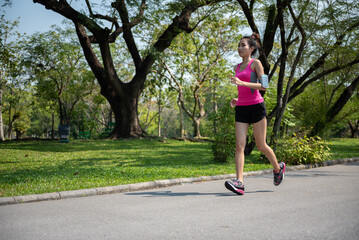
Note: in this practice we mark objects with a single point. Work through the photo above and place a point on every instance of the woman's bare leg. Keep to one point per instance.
(241, 135)
(260, 132)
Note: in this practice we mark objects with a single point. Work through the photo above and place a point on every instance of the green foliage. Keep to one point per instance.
(315, 101)
(302, 150)
(22, 125)
(9, 60)
(199, 62)
(56, 65)
(41, 120)
(224, 139)
(65, 84)
(17, 109)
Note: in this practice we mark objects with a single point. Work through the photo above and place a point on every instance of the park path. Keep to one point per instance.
(319, 203)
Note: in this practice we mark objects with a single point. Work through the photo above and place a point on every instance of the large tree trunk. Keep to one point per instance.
(123, 97)
(126, 117)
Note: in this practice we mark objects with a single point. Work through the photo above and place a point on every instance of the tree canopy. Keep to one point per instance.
(143, 52)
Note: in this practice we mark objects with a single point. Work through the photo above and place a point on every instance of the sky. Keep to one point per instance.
(32, 17)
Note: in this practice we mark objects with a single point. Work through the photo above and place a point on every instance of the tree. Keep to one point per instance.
(354, 128)
(197, 59)
(43, 119)
(18, 101)
(123, 96)
(306, 40)
(8, 61)
(336, 108)
(156, 95)
(312, 108)
(57, 67)
(22, 111)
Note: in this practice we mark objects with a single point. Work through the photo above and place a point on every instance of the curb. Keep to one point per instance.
(152, 184)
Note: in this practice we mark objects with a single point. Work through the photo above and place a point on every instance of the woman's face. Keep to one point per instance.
(243, 48)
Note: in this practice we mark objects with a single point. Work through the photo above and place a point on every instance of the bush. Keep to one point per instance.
(223, 147)
(302, 150)
(224, 138)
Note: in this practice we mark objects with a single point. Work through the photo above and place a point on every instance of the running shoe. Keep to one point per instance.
(279, 176)
(235, 186)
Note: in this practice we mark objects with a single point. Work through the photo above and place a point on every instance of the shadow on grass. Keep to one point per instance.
(135, 153)
(140, 153)
(128, 168)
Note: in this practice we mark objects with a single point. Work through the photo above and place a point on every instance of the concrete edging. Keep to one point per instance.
(152, 184)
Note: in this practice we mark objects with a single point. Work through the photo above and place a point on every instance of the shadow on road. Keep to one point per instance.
(313, 174)
(183, 194)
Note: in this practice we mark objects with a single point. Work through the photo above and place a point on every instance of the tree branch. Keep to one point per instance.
(95, 65)
(133, 22)
(100, 16)
(299, 53)
(64, 9)
(121, 8)
(179, 24)
(248, 12)
(89, 53)
(336, 108)
(273, 21)
(321, 59)
(298, 91)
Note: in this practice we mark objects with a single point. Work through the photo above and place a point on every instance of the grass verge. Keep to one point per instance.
(344, 148)
(33, 167)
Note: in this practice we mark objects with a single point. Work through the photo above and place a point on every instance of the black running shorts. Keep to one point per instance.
(251, 113)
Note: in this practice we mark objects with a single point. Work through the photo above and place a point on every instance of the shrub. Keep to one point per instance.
(224, 138)
(223, 147)
(302, 150)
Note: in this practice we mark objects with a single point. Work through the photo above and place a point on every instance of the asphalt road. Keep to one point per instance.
(320, 203)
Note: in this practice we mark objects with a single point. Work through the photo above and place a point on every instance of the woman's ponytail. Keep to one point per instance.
(253, 41)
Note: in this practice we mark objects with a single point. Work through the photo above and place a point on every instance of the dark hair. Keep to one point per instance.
(253, 41)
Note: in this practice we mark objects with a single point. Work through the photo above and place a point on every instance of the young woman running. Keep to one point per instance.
(250, 109)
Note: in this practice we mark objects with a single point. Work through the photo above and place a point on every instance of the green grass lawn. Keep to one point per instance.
(32, 167)
(344, 148)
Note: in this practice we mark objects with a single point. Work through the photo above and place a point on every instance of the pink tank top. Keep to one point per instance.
(246, 95)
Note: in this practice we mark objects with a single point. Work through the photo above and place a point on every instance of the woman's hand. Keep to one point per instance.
(237, 81)
(234, 102)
